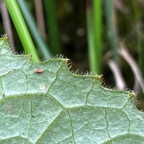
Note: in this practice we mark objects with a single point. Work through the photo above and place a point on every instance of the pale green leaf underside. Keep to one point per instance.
(58, 107)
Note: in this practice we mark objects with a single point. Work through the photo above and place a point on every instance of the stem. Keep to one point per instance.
(91, 47)
(22, 29)
(97, 10)
(94, 24)
(34, 30)
(111, 27)
(40, 17)
(140, 35)
(7, 25)
(53, 26)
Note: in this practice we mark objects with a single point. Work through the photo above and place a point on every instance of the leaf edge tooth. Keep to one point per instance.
(67, 64)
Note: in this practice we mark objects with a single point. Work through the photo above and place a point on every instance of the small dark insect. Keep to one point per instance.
(38, 71)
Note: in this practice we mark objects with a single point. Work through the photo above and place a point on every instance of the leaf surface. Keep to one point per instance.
(59, 107)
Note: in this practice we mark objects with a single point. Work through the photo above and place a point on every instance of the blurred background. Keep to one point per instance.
(105, 37)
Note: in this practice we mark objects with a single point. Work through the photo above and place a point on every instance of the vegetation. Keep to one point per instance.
(44, 103)
(102, 37)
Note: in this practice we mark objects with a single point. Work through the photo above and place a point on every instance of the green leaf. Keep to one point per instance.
(59, 107)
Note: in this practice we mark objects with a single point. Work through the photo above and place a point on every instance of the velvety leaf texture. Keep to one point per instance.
(55, 106)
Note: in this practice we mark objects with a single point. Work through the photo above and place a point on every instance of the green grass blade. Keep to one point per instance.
(22, 29)
(52, 26)
(91, 46)
(139, 34)
(94, 27)
(111, 27)
(97, 10)
(34, 30)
